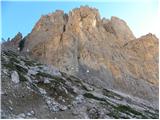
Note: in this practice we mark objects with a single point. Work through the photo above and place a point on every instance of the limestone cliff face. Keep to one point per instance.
(102, 52)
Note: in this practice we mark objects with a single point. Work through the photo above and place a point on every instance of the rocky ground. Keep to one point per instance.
(33, 90)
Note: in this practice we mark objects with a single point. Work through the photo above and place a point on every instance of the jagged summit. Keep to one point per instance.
(102, 52)
(14, 42)
(78, 20)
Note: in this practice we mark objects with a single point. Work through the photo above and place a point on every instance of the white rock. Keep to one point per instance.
(79, 98)
(42, 91)
(15, 77)
(94, 23)
(2, 92)
(10, 102)
(32, 112)
(28, 78)
(87, 71)
(10, 108)
(62, 107)
(65, 90)
(22, 115)
(77, 69)
(5, 71)
(29, 114)
(51, 70)
(27, 50)
(33, 71)
(46, 81)
(48, 102)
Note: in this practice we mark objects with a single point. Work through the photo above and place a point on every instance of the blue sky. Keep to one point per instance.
(21, 16)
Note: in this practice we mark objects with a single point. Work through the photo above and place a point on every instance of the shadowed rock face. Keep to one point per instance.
(14, 43)
(102, 52)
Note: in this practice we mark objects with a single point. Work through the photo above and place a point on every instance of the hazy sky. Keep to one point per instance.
(21, 16)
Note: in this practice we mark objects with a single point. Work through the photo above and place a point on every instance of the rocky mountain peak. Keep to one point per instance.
(84, 17)
(14, 42)
(102, 52)
(18, 37)
(119, 28)
(76, 22)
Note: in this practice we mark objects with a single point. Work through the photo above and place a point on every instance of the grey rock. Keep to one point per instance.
(15, 77)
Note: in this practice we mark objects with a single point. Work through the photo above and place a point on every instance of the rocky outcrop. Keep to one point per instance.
(143, 55)
(14, 43)
(16, 40)
(119, 28)
(102, 52)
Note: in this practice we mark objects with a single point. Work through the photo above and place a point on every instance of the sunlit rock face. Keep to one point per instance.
(102, 52)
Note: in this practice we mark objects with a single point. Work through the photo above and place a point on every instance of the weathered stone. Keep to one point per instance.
(15, 77)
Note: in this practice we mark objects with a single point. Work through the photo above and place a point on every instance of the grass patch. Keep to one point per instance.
(10, 53)
(74, 80)
(151, 114)
(55, 90)
(9, 65)
(115, 114)
(29, 62)
(43, 74)
(21, 69)
(105, 102)
(112, 94)
(128, 109)
(54, 78)
(14, 60)
(22, 77)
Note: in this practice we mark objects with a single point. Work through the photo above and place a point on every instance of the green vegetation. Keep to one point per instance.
(13, 65)
(76, 81)
(90, 95)
(13, 59)
(152, 115)
(54, 78)
(9, 66)
(129, 110)
(111, 94)
(10, 53)
(56, 89)
(114, 114)
(124, 108)
(22, 77)
(117, 110)
(21, 69)
(29, 63)
(21, 44)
